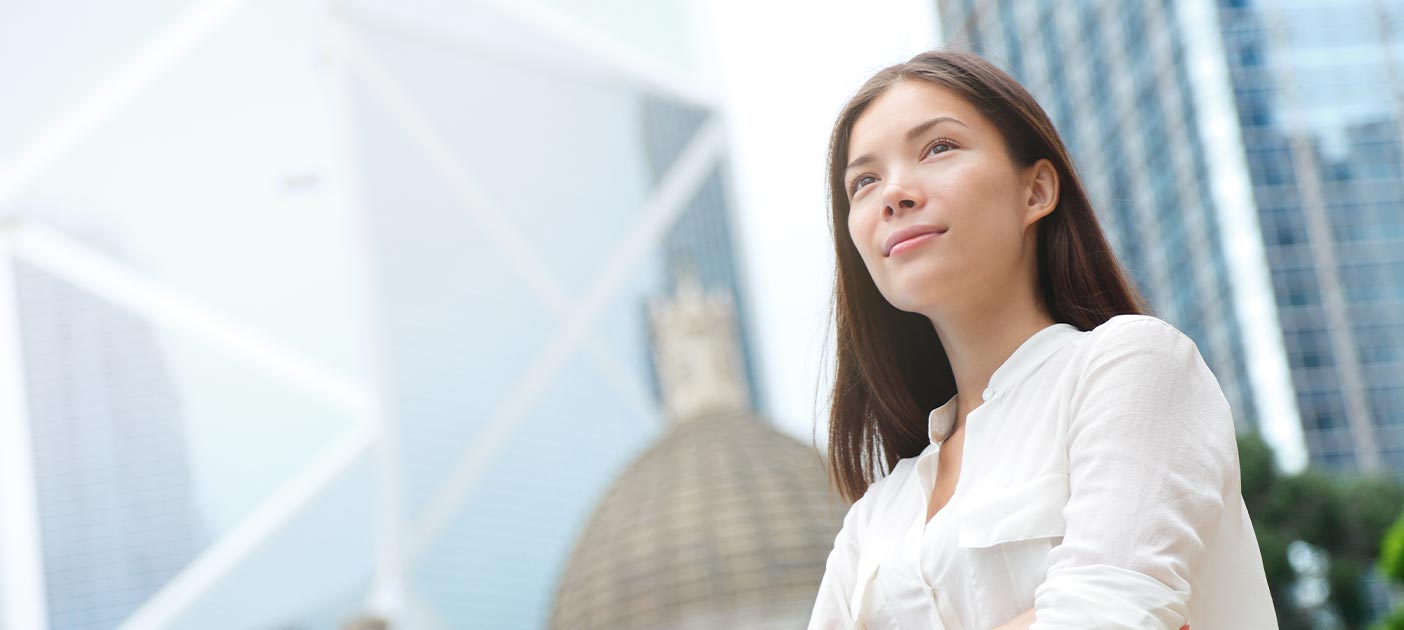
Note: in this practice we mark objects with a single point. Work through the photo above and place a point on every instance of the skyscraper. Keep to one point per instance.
(1318, 89)
(116, 511)
(517, 179)
(527, 185)
(1245, 158)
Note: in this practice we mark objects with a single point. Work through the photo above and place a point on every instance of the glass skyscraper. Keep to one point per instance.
(1319, 93)
(1245, 159)
(116, 508)
(524, 195)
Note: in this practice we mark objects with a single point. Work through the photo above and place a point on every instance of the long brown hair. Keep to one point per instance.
(890, 368)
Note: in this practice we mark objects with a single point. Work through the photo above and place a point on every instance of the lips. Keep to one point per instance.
(909, 232)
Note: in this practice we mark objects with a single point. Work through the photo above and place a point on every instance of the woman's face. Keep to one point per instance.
(923, 161)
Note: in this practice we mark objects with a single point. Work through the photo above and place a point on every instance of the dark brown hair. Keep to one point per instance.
(890, 368)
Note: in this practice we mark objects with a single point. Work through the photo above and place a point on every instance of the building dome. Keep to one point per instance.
(724, 522)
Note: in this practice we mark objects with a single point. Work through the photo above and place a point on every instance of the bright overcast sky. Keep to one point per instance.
(785, 69)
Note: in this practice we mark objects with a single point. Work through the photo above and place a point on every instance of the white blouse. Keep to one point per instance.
(1099, 485)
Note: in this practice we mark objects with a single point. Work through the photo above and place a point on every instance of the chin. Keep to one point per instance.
(911, 302)
(915, 292)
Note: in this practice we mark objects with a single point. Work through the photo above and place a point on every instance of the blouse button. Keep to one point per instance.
(989, 393)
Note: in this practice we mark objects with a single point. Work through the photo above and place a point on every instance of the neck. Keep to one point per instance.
(978, 342)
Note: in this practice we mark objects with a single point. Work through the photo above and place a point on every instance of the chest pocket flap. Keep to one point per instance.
(1028, 509)
(876, 546)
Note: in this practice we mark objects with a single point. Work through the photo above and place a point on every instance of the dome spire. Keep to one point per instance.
(697, 351)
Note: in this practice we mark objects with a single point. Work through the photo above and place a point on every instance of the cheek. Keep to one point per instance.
(962, 190)
(980, 187)
(860, 229)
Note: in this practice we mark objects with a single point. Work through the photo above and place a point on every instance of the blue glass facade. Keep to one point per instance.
(1317, 87)
(117, 510)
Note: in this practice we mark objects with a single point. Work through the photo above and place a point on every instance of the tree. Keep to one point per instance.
(1343, 514)
(1391, 566)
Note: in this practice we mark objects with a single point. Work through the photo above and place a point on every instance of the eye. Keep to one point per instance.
(941, 142)
(857, 183)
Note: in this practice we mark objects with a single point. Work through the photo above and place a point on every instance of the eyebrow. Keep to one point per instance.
(911, 133)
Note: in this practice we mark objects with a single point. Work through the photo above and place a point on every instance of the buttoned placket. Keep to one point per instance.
(940, 421)
(938, 606)
(1022, 361)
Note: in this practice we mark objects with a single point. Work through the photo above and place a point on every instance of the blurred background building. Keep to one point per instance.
(724, 522)
(406, 308)
(1319, 93)
(110, 461)
(519, 213)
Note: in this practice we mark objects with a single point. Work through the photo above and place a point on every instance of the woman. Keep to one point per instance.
(978, 305)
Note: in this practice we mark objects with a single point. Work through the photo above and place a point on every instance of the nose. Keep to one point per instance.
(904, 203)
(897, 197)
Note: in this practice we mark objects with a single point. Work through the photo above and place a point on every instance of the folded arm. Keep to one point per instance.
(1151, 451)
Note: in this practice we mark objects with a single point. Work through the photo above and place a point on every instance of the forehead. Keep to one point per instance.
(905, 104)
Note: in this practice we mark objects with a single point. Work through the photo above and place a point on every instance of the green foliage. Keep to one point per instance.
(1395, 621)
(1392, 553)
(1346, 590)
(1391, 564)
(1345, 515)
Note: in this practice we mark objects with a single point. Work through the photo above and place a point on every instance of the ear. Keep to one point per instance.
(1043, 190)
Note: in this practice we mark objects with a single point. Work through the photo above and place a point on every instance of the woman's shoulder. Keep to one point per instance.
(1134, 331)
(1132, 352)
(1131, 322)
(1141, 361)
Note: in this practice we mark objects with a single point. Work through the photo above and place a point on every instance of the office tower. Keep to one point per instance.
(1244, 159)
(116, 511)
(526, 187)
(1318, 89)
(511, 180)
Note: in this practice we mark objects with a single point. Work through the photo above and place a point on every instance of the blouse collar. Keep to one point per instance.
(1023, 361)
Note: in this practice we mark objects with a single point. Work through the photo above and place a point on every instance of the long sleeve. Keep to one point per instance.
(1151, 457)
(831, 609)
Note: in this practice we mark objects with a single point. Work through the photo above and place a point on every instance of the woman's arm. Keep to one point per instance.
(831, 605)
(1152, 455)
(831, 609)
